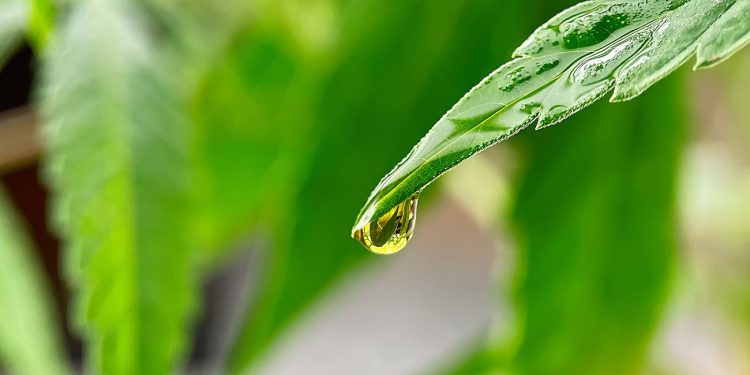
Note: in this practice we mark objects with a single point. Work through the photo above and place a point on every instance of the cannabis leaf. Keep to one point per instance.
(726, 36)
(410, 41)
(117, 144)
(574, 59)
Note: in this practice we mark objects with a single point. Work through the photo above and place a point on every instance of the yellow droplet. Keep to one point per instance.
(390, 232)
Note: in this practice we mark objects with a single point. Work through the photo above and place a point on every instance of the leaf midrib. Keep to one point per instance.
(478, 125)
(120, 119)
(432, 157)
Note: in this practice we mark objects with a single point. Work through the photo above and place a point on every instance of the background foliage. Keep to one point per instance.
(175, 130)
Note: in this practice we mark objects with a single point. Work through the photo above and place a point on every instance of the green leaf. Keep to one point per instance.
(253, 139)
(243, 168)
(596, 224)
(673, 41)
(726, 36)
(41, 22)
(29, 336)
(13, 14)
(374, 59)
(117, 141)
(571, 61)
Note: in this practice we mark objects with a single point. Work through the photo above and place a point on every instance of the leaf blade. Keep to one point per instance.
(308, 257)
(116, 140)
(673, 42)
(590, 49)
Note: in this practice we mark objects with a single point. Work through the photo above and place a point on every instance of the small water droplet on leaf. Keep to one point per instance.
(390, 232)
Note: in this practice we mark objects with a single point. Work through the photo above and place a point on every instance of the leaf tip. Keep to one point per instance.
(701, 62)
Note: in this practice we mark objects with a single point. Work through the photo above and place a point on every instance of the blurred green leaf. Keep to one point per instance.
(245, 167)
(13, 14)
(195, 34)
(117, 152)
(389, 74)
(253, 120)
(568, 63)
(596, 221)
(41, 22)
(29, 337)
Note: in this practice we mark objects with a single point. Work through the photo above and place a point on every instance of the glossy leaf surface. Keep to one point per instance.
(572, 60)
(377, 53)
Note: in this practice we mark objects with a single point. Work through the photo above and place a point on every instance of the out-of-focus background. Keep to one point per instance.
(249, 134)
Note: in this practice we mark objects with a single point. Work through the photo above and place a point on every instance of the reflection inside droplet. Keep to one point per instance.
(391, 232)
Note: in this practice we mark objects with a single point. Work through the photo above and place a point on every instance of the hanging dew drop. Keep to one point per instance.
(389, 233)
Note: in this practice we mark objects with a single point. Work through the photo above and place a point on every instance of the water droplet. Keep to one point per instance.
(530, 108)
(389, 233)
(546, 66)
(515, 77)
